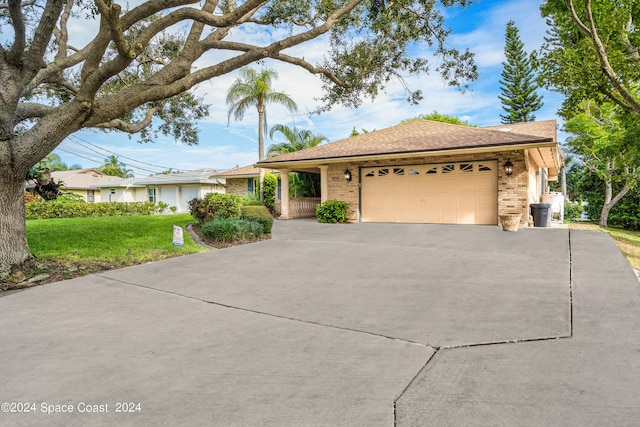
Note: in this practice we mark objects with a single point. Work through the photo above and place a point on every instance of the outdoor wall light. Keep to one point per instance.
(347, 175)
(508, 167)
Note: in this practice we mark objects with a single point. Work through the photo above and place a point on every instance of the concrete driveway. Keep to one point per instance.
(359, 324)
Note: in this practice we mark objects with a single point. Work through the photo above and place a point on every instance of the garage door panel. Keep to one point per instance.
(453, 193)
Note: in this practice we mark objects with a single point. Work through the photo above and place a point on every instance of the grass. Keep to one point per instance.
(70, 247)
(628, 241)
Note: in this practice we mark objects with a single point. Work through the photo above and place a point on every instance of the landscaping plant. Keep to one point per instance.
(332, 211)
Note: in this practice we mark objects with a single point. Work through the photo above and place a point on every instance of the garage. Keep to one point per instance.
(442, 193)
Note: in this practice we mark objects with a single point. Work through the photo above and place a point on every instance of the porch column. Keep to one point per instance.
(324, 183)
(284, 202)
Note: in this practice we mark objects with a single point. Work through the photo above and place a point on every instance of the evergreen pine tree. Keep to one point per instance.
(519, 97)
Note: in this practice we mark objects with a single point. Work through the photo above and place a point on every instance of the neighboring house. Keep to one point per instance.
(432, 172)
(174, 189)
(81, 182)
(243, 181)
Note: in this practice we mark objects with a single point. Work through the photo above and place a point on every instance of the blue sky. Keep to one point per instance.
(480, 27)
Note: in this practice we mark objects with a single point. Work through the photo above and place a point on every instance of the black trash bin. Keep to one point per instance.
(540, 213)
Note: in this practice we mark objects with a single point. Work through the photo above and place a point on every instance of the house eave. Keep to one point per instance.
(290, 164)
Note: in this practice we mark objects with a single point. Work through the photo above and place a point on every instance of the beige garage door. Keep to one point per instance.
(443, 193)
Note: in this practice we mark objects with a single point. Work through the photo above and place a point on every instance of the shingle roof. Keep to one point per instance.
(82, 178)
(241, 172)
(200, 176)
(422, 136)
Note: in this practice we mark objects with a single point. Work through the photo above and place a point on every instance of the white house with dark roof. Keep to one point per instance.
(174, 189)
(82, 182)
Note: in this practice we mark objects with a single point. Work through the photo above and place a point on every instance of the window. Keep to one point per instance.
(152, 194)
(466, 167)
(432, 171)
(413, 172)
(448, 168)
(91, 196)
(372, 173)
(383, 172)
(484, 168)
(398, 171)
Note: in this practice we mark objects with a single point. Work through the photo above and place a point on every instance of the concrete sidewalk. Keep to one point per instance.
(361, 324)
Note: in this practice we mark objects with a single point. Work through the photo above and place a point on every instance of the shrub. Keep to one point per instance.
(254, 203)
(572, 211)
(224, 205)
(70, 198)
(332, 211)
(251, 199)
(270, 187)
(215, 205)
(199, 211)
(230, 230)
(259, 214)
(29, 198)
(63, 209)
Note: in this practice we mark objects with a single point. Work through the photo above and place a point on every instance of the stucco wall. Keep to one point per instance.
(512, 191)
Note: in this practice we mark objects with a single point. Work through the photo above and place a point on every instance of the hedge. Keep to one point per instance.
(332, 211)
(64, 209)
(259, 214)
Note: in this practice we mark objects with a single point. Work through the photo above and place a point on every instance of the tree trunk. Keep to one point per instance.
(610, 201)
(261, 148)
(13, 229)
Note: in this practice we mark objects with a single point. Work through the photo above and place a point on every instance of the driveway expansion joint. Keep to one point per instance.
(263, 313)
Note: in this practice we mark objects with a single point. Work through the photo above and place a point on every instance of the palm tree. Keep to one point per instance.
(297, 139)
(302, 184)
(253, 88)
(112, 166)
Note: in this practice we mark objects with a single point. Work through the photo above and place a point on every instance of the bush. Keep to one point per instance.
(224, 205)
(332, 211)
(270, 187)
(572, 211)
(259, 214)
(64, 209)
(230, 230)
(215, 205)
(254, 203)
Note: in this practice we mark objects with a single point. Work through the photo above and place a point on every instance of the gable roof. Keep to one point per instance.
(82, 178)
(423, 136)
(249, 171)
(199, 176)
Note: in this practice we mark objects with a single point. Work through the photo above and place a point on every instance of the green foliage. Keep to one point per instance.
(270, 188)
(259, 214)
(332, 211)
(518, 87)
(296, 140)
(215, 205)
(70, 198)
(303, 184)
(572, 211)
(572, 62)
(252, 199)
(162, 206)
(624, 214)
(71, 209)
(229, 230)
(113, 167)
(438, 117)
(224, 205)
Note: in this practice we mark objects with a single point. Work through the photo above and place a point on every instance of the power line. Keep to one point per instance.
(81, 141)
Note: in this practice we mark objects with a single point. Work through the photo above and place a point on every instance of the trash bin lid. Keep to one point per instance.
(541, 205)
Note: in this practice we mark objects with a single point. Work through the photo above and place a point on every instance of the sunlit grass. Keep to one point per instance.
(120, 241)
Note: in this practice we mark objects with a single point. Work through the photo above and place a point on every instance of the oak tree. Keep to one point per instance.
(138, 67)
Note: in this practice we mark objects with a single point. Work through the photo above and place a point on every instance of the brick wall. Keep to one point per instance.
(512, 191)
(237, 186)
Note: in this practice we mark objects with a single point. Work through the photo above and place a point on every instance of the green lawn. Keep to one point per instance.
(116, 241)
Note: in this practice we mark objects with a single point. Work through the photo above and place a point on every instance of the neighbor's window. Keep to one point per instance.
(152, 194)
